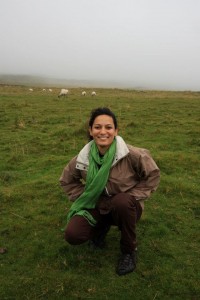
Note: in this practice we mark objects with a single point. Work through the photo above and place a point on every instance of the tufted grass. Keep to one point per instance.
(39, 135)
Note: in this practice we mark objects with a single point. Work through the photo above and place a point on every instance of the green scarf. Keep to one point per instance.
(95, 182)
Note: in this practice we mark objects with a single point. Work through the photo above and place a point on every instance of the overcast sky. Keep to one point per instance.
(152, 43)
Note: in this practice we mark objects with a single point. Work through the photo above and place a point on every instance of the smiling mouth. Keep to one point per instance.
(103, 137)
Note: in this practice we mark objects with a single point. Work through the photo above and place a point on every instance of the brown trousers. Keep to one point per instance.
(124, 212)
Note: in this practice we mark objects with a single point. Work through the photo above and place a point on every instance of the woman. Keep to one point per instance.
(108, 182)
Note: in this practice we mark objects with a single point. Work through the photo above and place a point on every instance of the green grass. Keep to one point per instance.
(39, 135)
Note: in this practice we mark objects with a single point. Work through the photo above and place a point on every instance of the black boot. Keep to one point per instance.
(126, 263)
(98, 242)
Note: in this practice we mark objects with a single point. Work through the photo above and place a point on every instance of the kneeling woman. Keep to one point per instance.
(108, 182)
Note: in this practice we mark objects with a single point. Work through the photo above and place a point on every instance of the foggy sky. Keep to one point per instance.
(147, 43)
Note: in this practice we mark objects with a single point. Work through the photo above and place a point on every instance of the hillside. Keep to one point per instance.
(34, 80)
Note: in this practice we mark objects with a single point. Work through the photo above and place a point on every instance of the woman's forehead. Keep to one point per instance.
(103, 119)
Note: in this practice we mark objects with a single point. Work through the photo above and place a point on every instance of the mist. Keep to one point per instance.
(149, 44)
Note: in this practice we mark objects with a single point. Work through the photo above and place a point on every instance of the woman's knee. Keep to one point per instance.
(70, 236)
(77, 231)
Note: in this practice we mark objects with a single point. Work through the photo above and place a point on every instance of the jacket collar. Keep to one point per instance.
(83, 156)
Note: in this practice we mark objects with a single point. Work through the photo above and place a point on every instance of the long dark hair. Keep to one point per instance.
(98, 112)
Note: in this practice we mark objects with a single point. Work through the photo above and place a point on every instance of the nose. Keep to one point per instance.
(103, 130)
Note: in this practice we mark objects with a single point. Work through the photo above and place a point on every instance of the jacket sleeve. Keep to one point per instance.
(148, 174)
(71, 181)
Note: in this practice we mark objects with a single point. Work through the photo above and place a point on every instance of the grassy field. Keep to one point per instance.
(39, 135)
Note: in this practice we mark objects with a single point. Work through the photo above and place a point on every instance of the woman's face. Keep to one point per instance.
(103, 132)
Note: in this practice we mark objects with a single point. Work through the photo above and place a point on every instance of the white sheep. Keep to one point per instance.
(30, 90)
(50, 90)
(93, 93)
(63, 93)
(83, 93)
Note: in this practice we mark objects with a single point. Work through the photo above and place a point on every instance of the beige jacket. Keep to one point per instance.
(133, 171)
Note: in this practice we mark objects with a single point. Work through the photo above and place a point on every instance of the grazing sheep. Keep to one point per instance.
(83, 93)
(63, 93)
(30, 90)
(50, 90)
(44, 90)
(93, 93)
